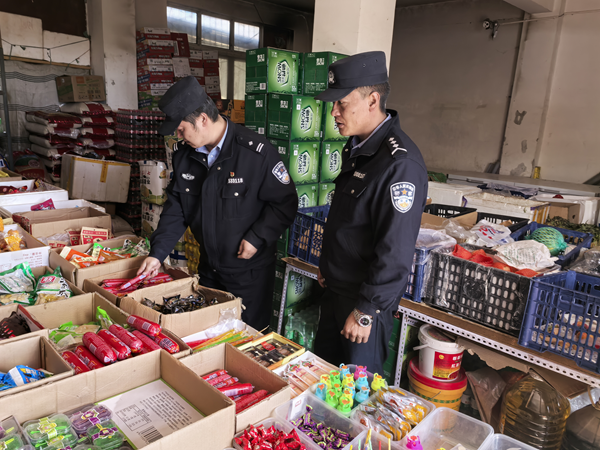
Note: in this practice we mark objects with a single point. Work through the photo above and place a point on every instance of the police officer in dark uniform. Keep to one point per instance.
(231, 188)
(369, 239)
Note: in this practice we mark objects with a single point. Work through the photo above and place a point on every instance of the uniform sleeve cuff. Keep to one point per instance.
(254, 239)
(368, 308)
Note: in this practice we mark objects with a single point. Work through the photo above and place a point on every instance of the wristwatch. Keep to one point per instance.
(362, 319)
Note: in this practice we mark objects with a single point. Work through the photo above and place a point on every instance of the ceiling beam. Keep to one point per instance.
(533, 6)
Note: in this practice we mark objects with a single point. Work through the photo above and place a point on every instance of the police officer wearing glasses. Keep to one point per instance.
(369, 239)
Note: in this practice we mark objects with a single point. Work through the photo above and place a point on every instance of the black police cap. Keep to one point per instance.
(183, 98)
(345, 75)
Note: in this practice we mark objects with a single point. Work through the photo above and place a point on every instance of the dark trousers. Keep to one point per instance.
(336, 349)
(254, 286)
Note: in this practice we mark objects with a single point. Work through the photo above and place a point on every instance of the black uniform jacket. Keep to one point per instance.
(369, 239)
(246, 194)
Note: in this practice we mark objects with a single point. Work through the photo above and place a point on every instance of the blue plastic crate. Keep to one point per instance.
(563, 317)
(417, 275)
(306, 234)
(581, 240)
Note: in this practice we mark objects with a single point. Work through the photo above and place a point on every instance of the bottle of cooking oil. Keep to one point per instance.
(583, 429)
(535, 413)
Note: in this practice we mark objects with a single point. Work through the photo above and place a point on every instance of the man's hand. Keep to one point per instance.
(353, 331)
(321, 279)
(246, 250)
(149, 267)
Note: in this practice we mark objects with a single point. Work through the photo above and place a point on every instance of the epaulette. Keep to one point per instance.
(252, 143)
(396, 147)
(176, 145)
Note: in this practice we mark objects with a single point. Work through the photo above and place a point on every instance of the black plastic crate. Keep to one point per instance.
(517, 222)
(447, 211)
(492, 297)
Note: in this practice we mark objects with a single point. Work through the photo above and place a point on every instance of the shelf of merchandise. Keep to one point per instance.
(293, 265)
(414, 313)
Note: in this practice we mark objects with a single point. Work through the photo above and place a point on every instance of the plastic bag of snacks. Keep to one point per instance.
(52, 287)
(18, 280)
(86, 108)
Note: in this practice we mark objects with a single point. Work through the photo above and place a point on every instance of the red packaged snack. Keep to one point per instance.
(149, 344)
(126, 337)
(246, 401)
(139, 323)
(122, 351)
(133, 281)
(77, 364)
(86, 356)
(167, 343)
(219, 379)
(48, 204)
(99, 348)
(215, 374)
(228, 382)
(237, 389)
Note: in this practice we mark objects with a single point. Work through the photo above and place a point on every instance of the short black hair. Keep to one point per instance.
(209, 108)
(382, 89)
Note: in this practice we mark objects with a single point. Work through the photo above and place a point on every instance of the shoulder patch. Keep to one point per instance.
(251, 143)
(396, 146)
(281, 173)
(403, 196)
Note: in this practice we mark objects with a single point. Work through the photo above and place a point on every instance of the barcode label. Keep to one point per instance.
(150, 435)
(263, 86)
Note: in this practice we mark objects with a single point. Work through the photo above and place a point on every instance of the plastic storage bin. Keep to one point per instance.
(502, 442)
(280, 425)
(511, 206)
(414, 288)
(52, 431)
(449, 194)
(517, 222)
(446, 428)
(87, 416)
(306, 234)
(490, 296)
(321, 413)
(447, 211)
(562, 317)
(581, 240)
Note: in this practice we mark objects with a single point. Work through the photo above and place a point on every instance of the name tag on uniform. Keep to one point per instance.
(359, 175)
(235, 180)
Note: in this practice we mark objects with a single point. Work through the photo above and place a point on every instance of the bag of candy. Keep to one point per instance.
(52, 287)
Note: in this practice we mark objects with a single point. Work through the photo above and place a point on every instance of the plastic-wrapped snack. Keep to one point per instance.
(12, 241)
(7, 299)
(17, 280)
(142, 248)
(51, 287)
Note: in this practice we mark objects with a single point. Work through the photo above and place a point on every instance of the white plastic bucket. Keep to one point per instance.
(440, 356)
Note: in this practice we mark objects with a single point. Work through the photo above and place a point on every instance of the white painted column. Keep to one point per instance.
(354, 26)
(112, 25)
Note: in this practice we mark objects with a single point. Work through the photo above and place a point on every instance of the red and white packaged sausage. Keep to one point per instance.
(167, 343)
(122, 351)
(148, 327)
(126, 337)
(77, 364)
(149, 344)
(99, 348)
(86, 356)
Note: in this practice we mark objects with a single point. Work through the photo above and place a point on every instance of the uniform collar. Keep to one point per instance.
(370, 145)
(217, 147)
(354, 141)
(225, 143)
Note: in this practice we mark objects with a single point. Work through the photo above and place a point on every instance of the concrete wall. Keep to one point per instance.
(451, 82)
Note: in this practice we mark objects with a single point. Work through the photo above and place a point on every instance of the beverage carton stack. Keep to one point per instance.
(155, 49)
(280, 104)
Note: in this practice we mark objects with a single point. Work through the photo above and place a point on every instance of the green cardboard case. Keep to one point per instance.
(316, 71)
(304, 162)
(331, 160)
(272, 70)
(294, 117)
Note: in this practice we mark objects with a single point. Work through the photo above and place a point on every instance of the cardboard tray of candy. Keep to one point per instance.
(272, 350)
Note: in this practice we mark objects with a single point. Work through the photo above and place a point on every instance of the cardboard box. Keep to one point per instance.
(299, 288)
(196, 54)
(467, 220)
(95, 180)
(80, 88)
(257, 127)
(36, 253)
(181, 67)
(156, 43)
(329, 127)
(153, 77)
(12, 176)
(331, 160)
(294, 117)
(304, 162)
(326, 192)
(316, 71)
(248, 371)
(238, 116)
(48, 191)
(308, 195)
(36, 352)
(154, 33)
(182, 324)
(36, 328)
(77, 275)
(82, 309)
(210, 54)
(215, 430)
(283, 148)
(93, 284)
(8, 210)
(150, 218)
(256, 108)
(49, 222)
(182, 45)
(270, 70)
(149, 61)
(568, 211)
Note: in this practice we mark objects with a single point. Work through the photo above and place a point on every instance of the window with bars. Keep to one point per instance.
(229, 37)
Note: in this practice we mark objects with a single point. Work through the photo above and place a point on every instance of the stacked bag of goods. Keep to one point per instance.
(155, 69)
(212, 79)
(137, 139)
(153, 194)
(97, 133)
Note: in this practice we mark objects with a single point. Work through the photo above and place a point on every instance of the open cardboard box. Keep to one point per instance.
(77, 275)
(35, 352)
(8, 210)
(12, 176)
(36, 328)
(36, 253)
(214, 432)
(568, 211)
(49, 222)
(182, 324)
(82, 309)
(467, 220)
(248, 371)
(93, 284)
(50, 192)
